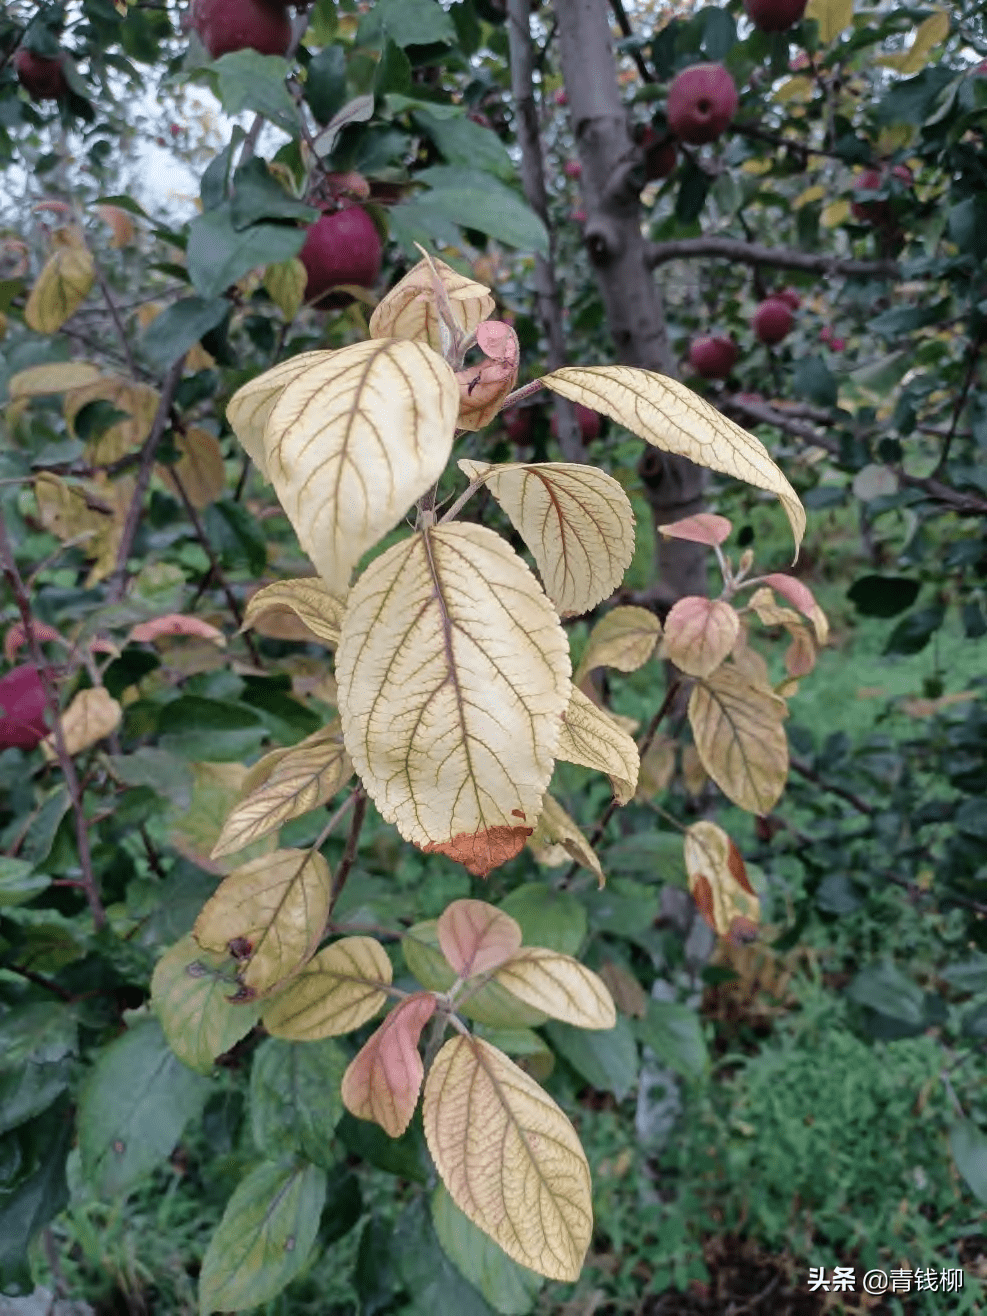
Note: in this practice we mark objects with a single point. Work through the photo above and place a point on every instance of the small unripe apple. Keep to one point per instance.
(774, 15)
(713, 357)
(579, 216)
(772, 321)
(561, 98)
(701, 102)
(22, 708)
(589, 423)
(43, 79)
(827, 336)
(790, 296)
(878, 213)
(341, 247)
(174, 129)
(572, 169)
(228, 25)
(518, 422)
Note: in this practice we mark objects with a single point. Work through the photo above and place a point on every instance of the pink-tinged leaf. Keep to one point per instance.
(16, 637)
(382, 1083)
(175, 624)
(498, 340)
(699, 634)
(801, 597)
(483, 388)
(703, 528)
(475, 937)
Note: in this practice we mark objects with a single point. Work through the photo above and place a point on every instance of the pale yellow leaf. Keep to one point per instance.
(801, 597)
(694, 776)
(336, 992)
(800, 656)
(740, 738)
(91, 715)
(61, 288)
(699, 634)
(749, 662)
(770, 613)
(250, 406)
(190, 993)
(200, 467)
(509, 1157)
(138, 401)
(64, 510)
(592, 739)
(657, 768)
(836, 213)
(304, 776)
(930, 33)
(815, 193)
(670, 416)
(54, 378)
(557, 840)
(625, 638)
(307, 598)
(194, 831)
(718, 881)
(558, 985)
(285, 282)
(475, 937)
(576, 520)
(833, 17)
(352, 443)
(453, 673)
(383, 1081)
(270, 915)
(409, 310)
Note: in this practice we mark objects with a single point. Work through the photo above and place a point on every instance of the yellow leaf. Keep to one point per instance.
(120, 222)
(836, 213)
(557, 840)
(749, 662)
(63, 509)
(91, 715)
(657, 768)
(558, 985)
(792, 89)
(409, 309)
(195, 830)
(627, 992)
(55, 378)
(625, 638)
(509, 1158)
(270, 915)
(590, 738)
(476, 937)
(139, 401)
(833, 17)
(3, 326)
(694, 776)
(353, 441)
(576, 520)
(930, 33)
(190, 994)
(757, 167)
(670, 416)
(383, 1080)
(338, 991)
(309, 600)
(453, 673)
(491, 1004)
(800, 656)
(699, 634)
(250, 407)
(62, 286)
(718, 882)
(200, 467)
(285, 282)
(814, 193)
(740, 738)
(303, 777)
(770, 613)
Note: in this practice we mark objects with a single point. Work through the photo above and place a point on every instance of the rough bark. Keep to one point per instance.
(631, 298)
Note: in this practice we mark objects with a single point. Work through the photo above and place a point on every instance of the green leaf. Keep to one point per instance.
(433, 1282)
(654, 856)
(969, 975)
(190, 994)
(675, 1034)
(463, 142)
(40, 1195)
(407, 23)
(814, 381)
(508, 1288)
(969, 1147)
(407, 1156)
(968, 226)
(37, 1043)
(251, 81)
(182, 325)
(547, 917)
(393, 70)
(885, 989)
(912, 100)
(264, 1238)
(219, 254)
(156, 768)
(482, 202)
(915, 630)
(257, 194)
(325, 86)
(19, 882)
(607, 1060)
(133, 1107)
(40, 838)
(294, 1098)
(624, 908)
(883, 596)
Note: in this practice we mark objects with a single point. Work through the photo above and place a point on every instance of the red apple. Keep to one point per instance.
(878, 213)
(341, 247)
(43, 79)
(518, 421)
(22, 700)
(790, 297)
(228, 25)
(572, 169)
(827, 336)
(561, 98)
(774, 15)
(589, 423)
(701, 102)
(713, 357)
(579, 216)
(773, 320)
(660, 154)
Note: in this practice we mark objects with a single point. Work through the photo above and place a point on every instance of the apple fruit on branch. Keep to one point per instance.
(228, 25)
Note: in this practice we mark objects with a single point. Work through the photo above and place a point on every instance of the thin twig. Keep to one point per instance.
(39, 980)
(349, 851)
(968, 379)
(752, 253)
(623, 22)
(121, 331)
(833, 788)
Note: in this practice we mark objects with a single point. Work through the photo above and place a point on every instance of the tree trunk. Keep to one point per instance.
(617, 250)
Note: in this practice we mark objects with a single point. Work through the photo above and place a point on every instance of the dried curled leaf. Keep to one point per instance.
(475, 937)
(556, 840)
(625, 638)
(483, 387)
(670, 416)
(269, 914)
(309, 600)
(740, 738)
(250, 407)
(591, 738)
(175, 623)
(91, 715)
(302, 777)
(628, 994)
(558, 985)
(139, 402)
(801, 597)
(699, 634)
(576, 520)
(453, 672)
(509, 1158)
(61, 288)
(409, 310)
(384, 1079)
(200, 469)
(718, 882)
(337, 991)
